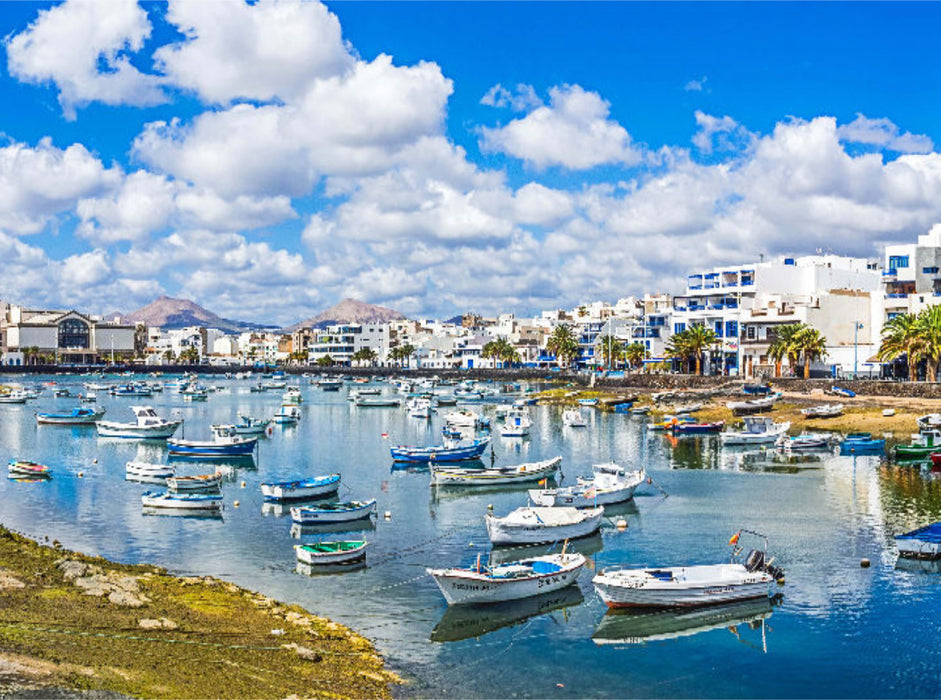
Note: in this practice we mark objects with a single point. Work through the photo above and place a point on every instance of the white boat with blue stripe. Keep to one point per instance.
(300, 488)
(923, 543)
(335, 512)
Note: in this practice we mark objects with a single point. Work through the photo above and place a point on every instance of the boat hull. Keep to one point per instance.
(297, 490)
(315, 516)
(501, 532)
(488, 477)
(131, 431)
(181, 501)
(209, 450)
(75, 418)
(577, 499)
(309, 554)
(439, 453)
(619, 591)
(463, 587)
(923, 543)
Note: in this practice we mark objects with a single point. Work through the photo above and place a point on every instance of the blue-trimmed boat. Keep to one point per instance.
(300, 488)
(77, 416)
(923, 543)
(335, 512)
(225, 443)
(458, 452)
(682, 428)
(862, 443)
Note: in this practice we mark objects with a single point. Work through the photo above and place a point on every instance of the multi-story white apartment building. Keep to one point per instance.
(743, 304)
(912, 275)
(342, 341)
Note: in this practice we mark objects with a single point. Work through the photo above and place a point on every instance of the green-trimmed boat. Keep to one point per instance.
(339, 552)
(922, 447)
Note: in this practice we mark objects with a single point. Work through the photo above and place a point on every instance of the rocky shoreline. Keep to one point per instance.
(78, 626)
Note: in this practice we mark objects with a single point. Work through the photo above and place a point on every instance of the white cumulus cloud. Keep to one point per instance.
(572, 131)
(884, 134)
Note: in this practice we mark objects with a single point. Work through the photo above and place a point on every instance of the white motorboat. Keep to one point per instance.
(757, 430)
(804, 441)
(609, 483)
(329, 553)
(930, 421)
(520, 473)
(464, 419)
(292, 395)
(299, 489)
(537, 525)
(288, 414)
(149, 426)
(247, 426)
(148, 473)
(517, 423)
(686, 586)
(827, 410)
(573, 418)
(196, 483)
(15, 396)
(511, 581)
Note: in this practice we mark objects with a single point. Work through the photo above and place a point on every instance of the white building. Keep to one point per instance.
(341, 341)
(63, 337)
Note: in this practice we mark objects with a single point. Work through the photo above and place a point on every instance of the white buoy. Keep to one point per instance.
(95, 461)
(621, 524)
(243, 484)
(81, 474)
(235, 503)
(490, 506)
(387, 515)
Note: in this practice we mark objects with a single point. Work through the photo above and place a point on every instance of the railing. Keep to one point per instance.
(895, 295)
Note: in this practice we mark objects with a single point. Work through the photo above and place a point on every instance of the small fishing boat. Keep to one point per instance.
(460, 451)
(691, 428)
(827, 410)
(862, 443)
(756, 431)
(464, 419)
(923, 444)
(840, 391)
(199, 482)
(248, 426)
(147, 473)
(288, 414)
(757, 389)
(131, 390)
(668, 422)
(330, 384)
(181, 501)
(77, 416)
(300, 488)
(686, 586)
(516, 423)
(765, 403)
(377, 402)
(88, 397)
(292, 395)
(328, 553)
(19, 468)
(149, 426)
(640, 410)
(225, 443)
(923, 543)
(538, 524)
(588, 402)
(573, 418)
(15, 396)
(931, 421)
(609, 483)
(334, 512)
(511, 581)
(521, 473)
(804, 441)
(419, 407)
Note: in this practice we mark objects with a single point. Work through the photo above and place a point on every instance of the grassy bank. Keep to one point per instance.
(73, 621)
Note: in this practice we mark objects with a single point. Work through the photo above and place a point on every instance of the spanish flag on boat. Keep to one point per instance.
(734, 539)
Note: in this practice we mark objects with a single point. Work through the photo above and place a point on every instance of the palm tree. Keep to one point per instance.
(501, 349)
(563, 344)
(782, 346)
(809, 344)
(900, 336)
(692, 343)
(325, 361)
(407, 351)
(364, 355)
(169, 356)
(635, 354)
(928, 323)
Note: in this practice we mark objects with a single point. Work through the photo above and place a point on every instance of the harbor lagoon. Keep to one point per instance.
(836, 629)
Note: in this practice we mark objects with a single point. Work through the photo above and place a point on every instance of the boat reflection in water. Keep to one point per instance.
(320, 569)
(465, 621)
(279, 509)
(199, 513)
(770, 459)
(924, 566)
(623, 627)
(298, 531)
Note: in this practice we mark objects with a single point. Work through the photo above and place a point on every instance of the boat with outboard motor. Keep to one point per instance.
(225, 443)
(458, 451)
(757, 430)
(686, 586)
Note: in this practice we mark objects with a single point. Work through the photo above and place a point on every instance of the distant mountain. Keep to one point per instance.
(349, 311)
(167, 312)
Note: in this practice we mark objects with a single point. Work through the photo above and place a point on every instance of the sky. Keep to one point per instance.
(268, 159)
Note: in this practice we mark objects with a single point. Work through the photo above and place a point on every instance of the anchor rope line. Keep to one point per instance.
(166, 640)
(415, 548)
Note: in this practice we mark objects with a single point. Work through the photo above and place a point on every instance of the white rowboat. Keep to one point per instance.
(537, 525)
(531, 471)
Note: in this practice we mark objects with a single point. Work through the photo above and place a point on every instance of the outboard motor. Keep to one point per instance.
(755, 560)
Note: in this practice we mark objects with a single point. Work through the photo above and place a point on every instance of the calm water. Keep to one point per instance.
(838, 631)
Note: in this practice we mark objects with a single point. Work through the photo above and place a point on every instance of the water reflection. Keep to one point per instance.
(298, 531)
(625, 627)
(200, 514)
(466, 621)
(329, 569)
(592, 544)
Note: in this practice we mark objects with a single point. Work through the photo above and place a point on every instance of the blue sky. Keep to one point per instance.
(267, 160)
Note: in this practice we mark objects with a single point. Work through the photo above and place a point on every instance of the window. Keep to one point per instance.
(717, 327)
(897, 261)
(750, 333)
(73, 334)
(679, 327)
(930, 270)
(731, 329)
